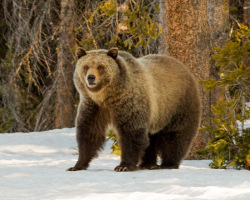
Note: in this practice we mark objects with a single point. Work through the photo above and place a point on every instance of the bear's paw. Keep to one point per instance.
(76, 168)
(150, 167)
(123, 168)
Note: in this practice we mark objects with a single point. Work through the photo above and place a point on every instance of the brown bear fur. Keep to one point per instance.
(152, 102)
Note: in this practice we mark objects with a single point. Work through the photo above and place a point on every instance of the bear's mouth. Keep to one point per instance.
(94, 87)
(91, 85)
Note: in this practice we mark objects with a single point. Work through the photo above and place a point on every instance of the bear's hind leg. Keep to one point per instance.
(149, 160)
(173, 147)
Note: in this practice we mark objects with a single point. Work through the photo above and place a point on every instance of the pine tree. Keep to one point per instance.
(230, 145)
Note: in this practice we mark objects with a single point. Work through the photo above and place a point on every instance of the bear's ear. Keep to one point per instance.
(80, 52)
(113, 52)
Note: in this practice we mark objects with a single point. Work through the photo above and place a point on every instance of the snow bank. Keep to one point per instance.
(32, 166)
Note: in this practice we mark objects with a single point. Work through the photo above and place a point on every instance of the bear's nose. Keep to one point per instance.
(91, 78)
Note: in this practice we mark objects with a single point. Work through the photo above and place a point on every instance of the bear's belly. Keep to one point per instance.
(158, 107)
(153, 129)
(157, 125)
(158, 117)
(162, 108)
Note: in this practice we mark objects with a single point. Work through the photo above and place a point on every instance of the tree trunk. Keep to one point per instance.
(188, 40)
(190, 30)
(65, 106)
(246, 18)
(3, 26)
(162, 18)
(246, 12)
(218, 19)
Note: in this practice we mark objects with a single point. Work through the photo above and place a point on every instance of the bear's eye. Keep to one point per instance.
(86, 67)
(99, 67)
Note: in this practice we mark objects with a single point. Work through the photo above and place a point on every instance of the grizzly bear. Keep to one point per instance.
(152, 102)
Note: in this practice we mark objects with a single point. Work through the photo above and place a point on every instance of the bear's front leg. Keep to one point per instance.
(90, 133)
(130, 116)
(133, 143)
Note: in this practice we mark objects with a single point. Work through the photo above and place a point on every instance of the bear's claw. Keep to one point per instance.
(169, 166)
(71, 169)
(121, 169)
(152, 167)
(75, 169)
(125, 168)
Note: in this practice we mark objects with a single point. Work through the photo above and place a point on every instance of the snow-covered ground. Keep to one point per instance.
(33, 166)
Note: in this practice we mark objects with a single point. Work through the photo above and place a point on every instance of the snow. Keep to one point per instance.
(33, 166)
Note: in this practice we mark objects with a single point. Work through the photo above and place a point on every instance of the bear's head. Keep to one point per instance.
(96, 69)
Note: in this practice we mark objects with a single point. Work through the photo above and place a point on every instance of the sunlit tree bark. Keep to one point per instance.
(190, 28)
(65, 108)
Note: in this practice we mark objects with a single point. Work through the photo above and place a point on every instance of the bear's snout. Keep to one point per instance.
(91, 79)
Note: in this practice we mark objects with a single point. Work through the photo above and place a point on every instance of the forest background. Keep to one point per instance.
(37, 57)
